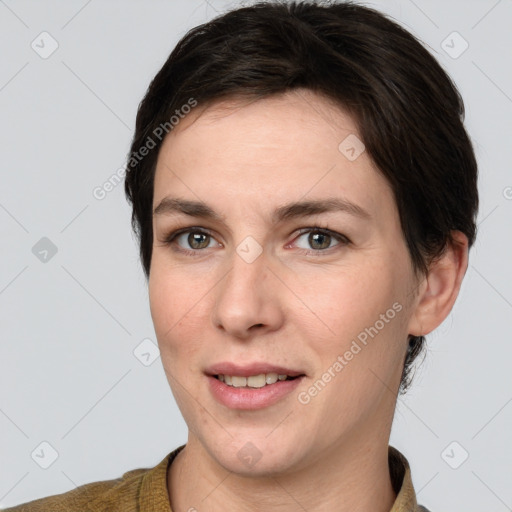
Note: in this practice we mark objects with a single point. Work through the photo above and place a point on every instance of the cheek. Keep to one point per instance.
(353, 300)
(177, 306)
(365, 313)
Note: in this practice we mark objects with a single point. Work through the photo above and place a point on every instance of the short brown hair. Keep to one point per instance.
(409, 112)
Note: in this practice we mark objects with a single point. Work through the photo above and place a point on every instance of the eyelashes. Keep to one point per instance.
(199, 239)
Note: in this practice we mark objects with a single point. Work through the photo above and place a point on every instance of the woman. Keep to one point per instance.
(304, 193)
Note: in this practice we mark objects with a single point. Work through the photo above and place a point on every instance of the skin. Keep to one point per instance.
(295, 305)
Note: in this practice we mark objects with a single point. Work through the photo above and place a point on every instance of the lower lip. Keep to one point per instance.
(251, 398)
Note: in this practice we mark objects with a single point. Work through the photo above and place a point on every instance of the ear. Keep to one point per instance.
(437, 293)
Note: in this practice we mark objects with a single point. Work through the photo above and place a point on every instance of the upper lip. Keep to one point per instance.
(246, 370)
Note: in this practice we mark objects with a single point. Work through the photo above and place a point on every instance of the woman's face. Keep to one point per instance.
(291, 261)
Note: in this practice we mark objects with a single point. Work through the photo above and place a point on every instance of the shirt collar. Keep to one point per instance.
(401, 480)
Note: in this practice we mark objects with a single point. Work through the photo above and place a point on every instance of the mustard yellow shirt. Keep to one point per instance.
(145, 490)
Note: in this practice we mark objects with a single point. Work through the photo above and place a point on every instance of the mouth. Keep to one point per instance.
(254, 381)
(253, 386)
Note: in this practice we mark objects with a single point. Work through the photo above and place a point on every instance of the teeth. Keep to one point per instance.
(271, 378)
(254, 381)
(238, 382)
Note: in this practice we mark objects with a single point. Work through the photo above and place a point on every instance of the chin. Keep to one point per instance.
(257, 455)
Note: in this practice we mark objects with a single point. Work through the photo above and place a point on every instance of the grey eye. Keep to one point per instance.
(317, 240)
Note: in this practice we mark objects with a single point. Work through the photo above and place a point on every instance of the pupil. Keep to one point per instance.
(314, 238)
(196, 237)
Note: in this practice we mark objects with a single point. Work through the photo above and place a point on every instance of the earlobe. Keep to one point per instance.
(441, 287)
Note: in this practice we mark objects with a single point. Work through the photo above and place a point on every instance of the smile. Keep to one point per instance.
(252, 392)
(253, 381)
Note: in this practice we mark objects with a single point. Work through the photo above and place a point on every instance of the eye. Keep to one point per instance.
(312, 240)
(320, 239)
(190, 241)
(195, 239)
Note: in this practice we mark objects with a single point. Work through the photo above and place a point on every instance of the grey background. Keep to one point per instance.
(69, 326)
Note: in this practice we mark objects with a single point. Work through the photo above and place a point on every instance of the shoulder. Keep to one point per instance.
(97, 496)
(120, 494)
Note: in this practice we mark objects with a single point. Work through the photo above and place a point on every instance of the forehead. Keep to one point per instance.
(289, 146)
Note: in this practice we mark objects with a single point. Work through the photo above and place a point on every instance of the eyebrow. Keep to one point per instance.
(176, 206)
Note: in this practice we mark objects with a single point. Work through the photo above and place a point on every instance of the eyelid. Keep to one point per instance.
(168, 238)
(320, 229)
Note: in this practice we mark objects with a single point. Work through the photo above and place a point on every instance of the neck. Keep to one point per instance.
(349, 477)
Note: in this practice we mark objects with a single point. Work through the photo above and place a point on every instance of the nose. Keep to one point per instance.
(247, 300)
